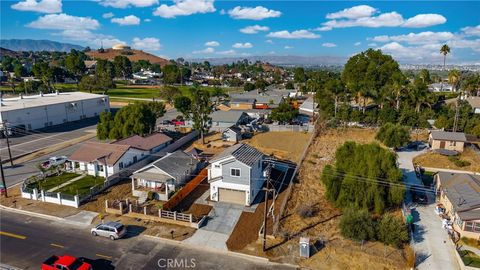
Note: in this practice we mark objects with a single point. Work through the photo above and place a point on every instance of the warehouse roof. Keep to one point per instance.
(24, 102)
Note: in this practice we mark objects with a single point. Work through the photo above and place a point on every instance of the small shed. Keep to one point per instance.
(439, 139)
(232, 134)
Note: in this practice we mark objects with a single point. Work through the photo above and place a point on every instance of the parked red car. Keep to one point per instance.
(178, 122)
(65, 262)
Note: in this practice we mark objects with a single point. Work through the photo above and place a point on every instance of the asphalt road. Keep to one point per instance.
(25, 242)
(24, 142)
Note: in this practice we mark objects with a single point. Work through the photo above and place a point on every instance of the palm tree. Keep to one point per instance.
(454, 78)
(444, 50)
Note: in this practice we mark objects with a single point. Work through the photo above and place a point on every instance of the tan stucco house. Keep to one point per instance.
(460, 195)
(447, 140)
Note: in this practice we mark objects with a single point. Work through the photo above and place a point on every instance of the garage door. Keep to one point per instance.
(231, 196)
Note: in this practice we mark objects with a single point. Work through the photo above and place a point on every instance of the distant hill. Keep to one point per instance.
(37, 45)
(281, 60)
(133, 55)
(7, 52)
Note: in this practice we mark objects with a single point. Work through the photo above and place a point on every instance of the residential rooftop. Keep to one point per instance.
(232, 116)
(23, 102)
(101, 152)
(463, 191)
(244, 153)
(448, 136)
(474, 102)
(146, 143)
(174, 163)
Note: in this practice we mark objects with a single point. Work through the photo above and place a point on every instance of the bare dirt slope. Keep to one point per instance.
(136, 55)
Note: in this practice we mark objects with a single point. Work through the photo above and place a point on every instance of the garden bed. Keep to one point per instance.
(469, 258)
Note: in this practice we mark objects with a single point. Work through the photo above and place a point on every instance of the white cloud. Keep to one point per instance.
(212, 43)
(329, 45)
(42, 6)
(88, 37)
(366, 16)
(227, 52)
(269, 41)
(254, 29)
(63, 21)
(287, 47)
(246, 45)
(147, 44)
(416, 38)
(424, 20)
(107, 15)
(372, 44)
(147, 20)
(256, 13)
(207, 50)
(184, 8)
(358, 43)
(353, 12)
(472, 30)
(127, 20)
(128, 3)
(298, 34)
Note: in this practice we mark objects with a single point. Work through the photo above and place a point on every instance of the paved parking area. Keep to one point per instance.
(222, 220)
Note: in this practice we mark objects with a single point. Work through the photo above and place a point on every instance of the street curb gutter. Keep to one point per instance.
(44, 216)
(213, 250)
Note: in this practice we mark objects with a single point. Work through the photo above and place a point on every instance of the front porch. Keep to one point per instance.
(161, 190)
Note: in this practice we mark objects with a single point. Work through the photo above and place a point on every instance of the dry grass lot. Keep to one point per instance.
(435, 160)
(284, 145)
(338, 252)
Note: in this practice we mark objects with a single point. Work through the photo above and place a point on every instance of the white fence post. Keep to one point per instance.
(121, 207)
(42, 193)
(159, 212)
(106, 204)
(35, 194)
(175, 215)
(59, 198)
(129, 208)
(77, 201)
(191, 218)
(145, 210)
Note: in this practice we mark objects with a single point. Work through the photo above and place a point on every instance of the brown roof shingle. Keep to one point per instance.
(92, 151)
(145, 143)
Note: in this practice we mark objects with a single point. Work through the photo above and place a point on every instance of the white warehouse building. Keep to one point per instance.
(44, 110)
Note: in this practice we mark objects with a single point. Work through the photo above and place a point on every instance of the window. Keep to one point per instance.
(99, 167)
(235, 172)
(469, 226)
(476, 227)
(217, 166)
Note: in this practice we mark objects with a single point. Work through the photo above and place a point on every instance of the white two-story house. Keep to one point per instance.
(236, 175)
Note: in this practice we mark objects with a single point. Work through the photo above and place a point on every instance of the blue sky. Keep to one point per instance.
(411, 31)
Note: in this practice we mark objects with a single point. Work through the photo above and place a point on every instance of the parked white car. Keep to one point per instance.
(54, 161)
(112, 230)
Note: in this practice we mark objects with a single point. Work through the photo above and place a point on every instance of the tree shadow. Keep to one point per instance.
(421, 257)
(134, 230)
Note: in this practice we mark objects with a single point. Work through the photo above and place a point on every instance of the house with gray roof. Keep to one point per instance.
(164, 175)
(222, 120)
(439, 139)
(236, 175)
(460, 195)
(232, 134)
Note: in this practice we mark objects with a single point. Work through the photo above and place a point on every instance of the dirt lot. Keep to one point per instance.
(435, 160)
(332, 251)
(284, 145)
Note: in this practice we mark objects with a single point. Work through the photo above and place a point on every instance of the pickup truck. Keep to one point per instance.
(65, 262)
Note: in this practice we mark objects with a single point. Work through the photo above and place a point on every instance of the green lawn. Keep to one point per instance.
(53, 181)
(82, 186)
(470, 258)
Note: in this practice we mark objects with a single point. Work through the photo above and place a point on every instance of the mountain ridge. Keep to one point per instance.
(36, 45)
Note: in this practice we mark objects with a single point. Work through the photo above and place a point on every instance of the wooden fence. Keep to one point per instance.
(187, 189)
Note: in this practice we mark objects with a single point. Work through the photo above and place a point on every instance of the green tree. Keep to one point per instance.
(247, 87)
(169, 92)
(183, 104)
(299, 75)
(392, 231)
(393, 135)
(74, 62)
(104, 125)
(289, 85)
(284, 113)
(200, 111)
(171, 74)
(88, 84)
(424, 75)
(357, 225)
(260, 84)
(134, 119)
(123, 67)
(444, 50)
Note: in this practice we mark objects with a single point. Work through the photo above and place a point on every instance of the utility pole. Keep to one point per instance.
(267, 190)
(5, 131)
(3, 177)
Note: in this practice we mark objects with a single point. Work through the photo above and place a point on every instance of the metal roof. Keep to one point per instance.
(241, 152)
(9, 104)
(448, 136)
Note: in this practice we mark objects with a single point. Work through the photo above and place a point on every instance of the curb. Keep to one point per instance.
(213, 250)
(44, 216)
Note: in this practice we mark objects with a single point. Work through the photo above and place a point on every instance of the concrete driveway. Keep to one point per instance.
(222, 219)
(432, 246)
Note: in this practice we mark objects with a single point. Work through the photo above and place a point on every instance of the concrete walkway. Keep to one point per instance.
(222, 219)
(67, 183)
(431, 243)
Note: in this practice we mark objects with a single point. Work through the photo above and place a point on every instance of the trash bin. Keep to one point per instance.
(304, 247)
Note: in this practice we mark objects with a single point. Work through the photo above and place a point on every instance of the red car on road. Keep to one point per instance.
(178, 122)
(65, 262)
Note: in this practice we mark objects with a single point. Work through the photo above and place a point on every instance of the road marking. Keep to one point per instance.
(13, 235)
(103, 256)
(56, 245)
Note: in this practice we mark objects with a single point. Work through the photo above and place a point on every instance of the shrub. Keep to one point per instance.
(392, 231)
(393, 135)
(307, 211)
(357, 224)
(458, 162)
(150, 195)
